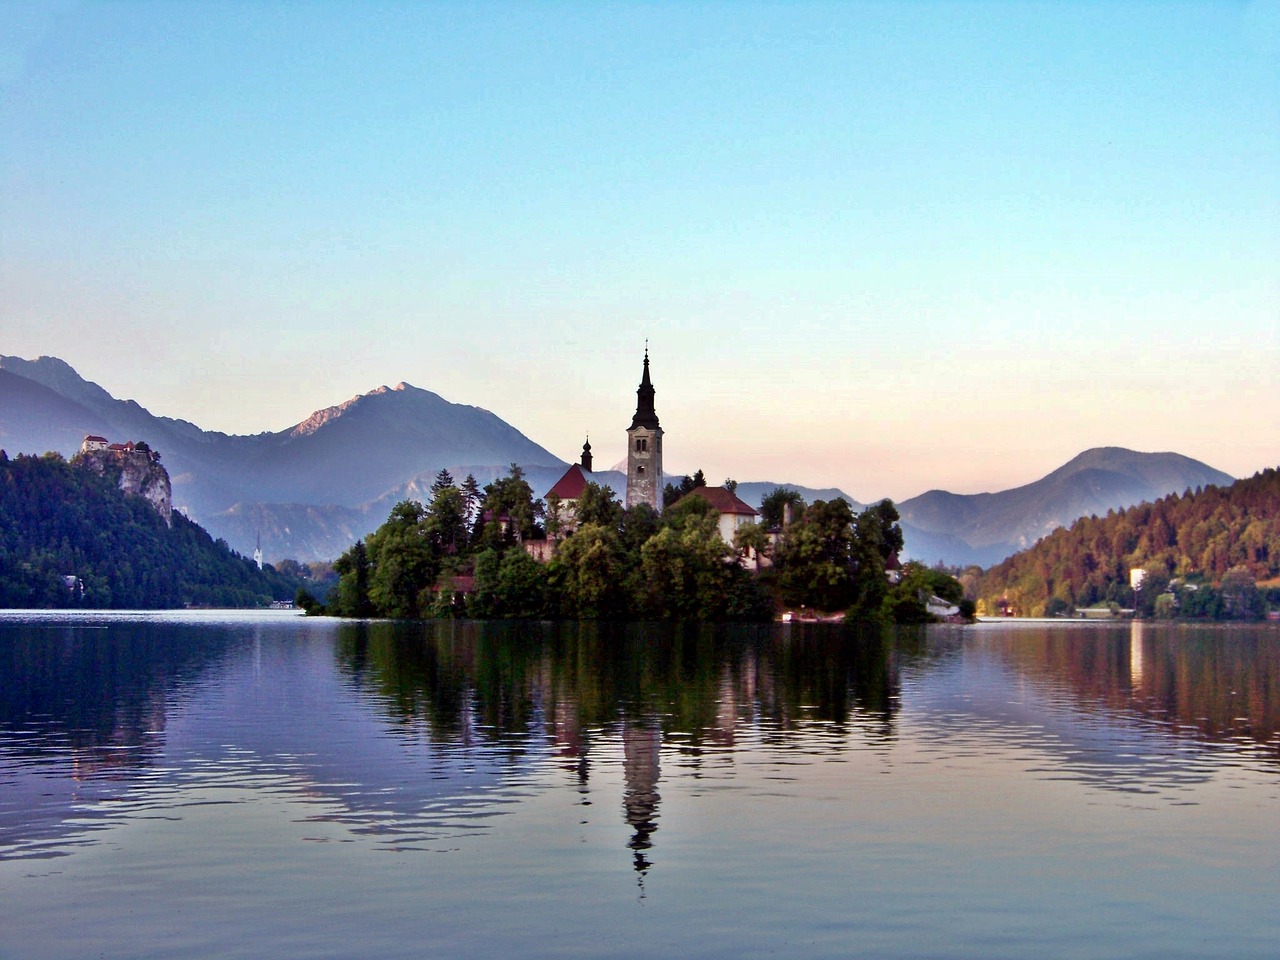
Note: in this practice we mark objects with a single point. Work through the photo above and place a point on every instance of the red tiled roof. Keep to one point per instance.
(723, 500)
(571, 485)
(91, 436)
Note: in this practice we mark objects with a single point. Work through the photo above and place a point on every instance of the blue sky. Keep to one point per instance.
(886, 246)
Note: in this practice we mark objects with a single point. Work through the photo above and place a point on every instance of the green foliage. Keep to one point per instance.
(402, 561)
(599, 505)
(684, 566)
(60, 519)
(773, 507)
(351, 598)
(815, 558)
(1196, 538)
(508, 512)
(751, 539)
(588, 575)
(675, 491)
(906, 600)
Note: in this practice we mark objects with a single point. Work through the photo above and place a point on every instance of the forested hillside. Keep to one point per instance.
(70, 538)
(1204, 552)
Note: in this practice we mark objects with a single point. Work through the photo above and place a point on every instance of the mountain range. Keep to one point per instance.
(311, 490)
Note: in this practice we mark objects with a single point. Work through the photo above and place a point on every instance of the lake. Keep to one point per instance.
(261, 784)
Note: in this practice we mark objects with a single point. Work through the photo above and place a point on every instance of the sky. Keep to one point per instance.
(885, 246)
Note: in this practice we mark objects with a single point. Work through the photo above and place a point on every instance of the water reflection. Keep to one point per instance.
(462, 680)
(83, 711)
(696, 690)
(415, 734)
(1215, 683)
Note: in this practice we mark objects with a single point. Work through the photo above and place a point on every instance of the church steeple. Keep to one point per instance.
(586, 455)
(645, 416)
(644, 447)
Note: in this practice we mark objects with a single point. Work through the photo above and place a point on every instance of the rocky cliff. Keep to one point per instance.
(138, 473)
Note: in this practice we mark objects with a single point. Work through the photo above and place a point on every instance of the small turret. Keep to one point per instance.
(586, 455)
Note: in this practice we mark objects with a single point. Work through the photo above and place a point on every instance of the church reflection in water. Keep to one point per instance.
(641, 769)
(641, 746)
(462, 706)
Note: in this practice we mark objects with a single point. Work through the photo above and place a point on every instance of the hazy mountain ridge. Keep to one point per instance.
(313, 488)
(993, 526)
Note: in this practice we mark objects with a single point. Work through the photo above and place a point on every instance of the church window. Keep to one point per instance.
(639, 471)
(642, 445)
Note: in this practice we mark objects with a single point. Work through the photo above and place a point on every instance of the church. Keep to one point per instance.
(644, 460)
(645, 480)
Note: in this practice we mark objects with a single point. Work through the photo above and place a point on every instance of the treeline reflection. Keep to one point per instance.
(1218, 683)
(500, 681)
(650, 687)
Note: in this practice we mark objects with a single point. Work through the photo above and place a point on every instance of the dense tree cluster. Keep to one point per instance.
(1204, 554)
(450, 557)
(460, 556)
(70, 538)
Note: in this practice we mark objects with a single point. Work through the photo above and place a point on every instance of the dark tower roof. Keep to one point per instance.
(645, 416)
(586, 456)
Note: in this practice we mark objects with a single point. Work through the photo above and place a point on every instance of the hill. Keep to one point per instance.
(985, 528)
(1215, 535)
(310, 489)
(71, 537)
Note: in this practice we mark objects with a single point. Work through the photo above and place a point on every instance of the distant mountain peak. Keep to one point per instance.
(987, 527)
(321, 417)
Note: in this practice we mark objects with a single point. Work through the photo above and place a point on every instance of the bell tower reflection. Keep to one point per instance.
(1135, 655)
(641, 743)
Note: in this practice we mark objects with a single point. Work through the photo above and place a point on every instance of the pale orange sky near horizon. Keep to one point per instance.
(886, 247)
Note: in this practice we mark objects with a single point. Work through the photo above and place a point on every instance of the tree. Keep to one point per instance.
(554, 518)
(773, 508)
(751, 540)
(521, 588)
(598, 504)
(403, 562)
(443, 479)
(509, 510)
(587, 574)
(673, 492)
(814, 560)
(471, 497)
(445, 523)
(352, 594)
(907, 600)
(685, 567)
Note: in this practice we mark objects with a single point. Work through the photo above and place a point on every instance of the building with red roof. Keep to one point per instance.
(569, 488)
(733, 510)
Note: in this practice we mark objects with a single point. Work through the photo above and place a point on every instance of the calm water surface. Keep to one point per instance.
(248, 785)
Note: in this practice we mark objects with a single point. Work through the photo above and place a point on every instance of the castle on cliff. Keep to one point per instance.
(138, 467)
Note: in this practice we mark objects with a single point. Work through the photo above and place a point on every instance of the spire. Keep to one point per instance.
(645, 416)
(586, 455)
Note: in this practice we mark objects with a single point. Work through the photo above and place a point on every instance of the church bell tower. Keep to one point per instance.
(644, 448)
